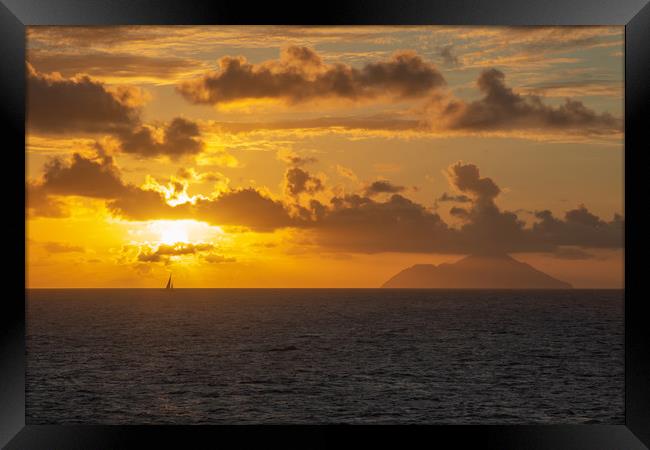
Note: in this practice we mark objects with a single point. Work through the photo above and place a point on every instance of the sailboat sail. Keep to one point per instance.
(169, 282)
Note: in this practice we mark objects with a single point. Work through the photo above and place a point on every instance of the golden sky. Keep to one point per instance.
(258, 156)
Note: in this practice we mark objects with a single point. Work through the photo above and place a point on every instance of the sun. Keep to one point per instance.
(172, 231)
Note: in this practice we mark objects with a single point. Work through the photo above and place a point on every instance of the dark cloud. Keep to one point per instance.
(466, 179)
(486, 229)
(500, 109)
(164, 251)
(244, 207)
(140, 204)
(83, 105)
(218, 259)
(300, 75)
(94, 177)
(489, 229)
(580, 228)
(40, 204)
(61, 105)
(180, 137)
(503, 109)
(446, 197)
(295, 160)
(353, 222)
(448, 56)
(97, 177)
(383, 187)
(298, 181)
(301, 160)
(360, 224)
(460, 213)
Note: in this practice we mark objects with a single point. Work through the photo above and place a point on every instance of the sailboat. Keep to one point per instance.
(170, 283)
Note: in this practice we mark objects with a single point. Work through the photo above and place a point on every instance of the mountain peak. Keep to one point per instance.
(478, 271)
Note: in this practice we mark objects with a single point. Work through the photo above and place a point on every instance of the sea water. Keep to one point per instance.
(236, 356)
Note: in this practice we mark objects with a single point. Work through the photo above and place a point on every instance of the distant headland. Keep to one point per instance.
(499, 271)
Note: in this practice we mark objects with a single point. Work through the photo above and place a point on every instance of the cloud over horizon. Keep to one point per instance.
(163, 252)
(350, 222)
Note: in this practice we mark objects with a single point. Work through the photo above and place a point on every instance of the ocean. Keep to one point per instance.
(285, 356)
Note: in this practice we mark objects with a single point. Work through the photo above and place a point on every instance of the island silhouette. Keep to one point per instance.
(493, 271)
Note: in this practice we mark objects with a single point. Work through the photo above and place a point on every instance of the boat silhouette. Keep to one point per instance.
(170, 283)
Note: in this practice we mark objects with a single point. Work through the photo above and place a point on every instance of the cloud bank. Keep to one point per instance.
(300, 75)
(501, 108)
(81, 105)
(350, 222)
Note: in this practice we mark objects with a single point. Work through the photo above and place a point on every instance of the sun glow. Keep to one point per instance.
(172, 231)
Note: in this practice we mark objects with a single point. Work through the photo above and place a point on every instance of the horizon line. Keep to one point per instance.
(348, 288)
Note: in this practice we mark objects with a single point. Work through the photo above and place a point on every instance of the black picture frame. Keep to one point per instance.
(633, 14)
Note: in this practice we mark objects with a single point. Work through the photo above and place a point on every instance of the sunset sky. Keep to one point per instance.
(318, 156)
